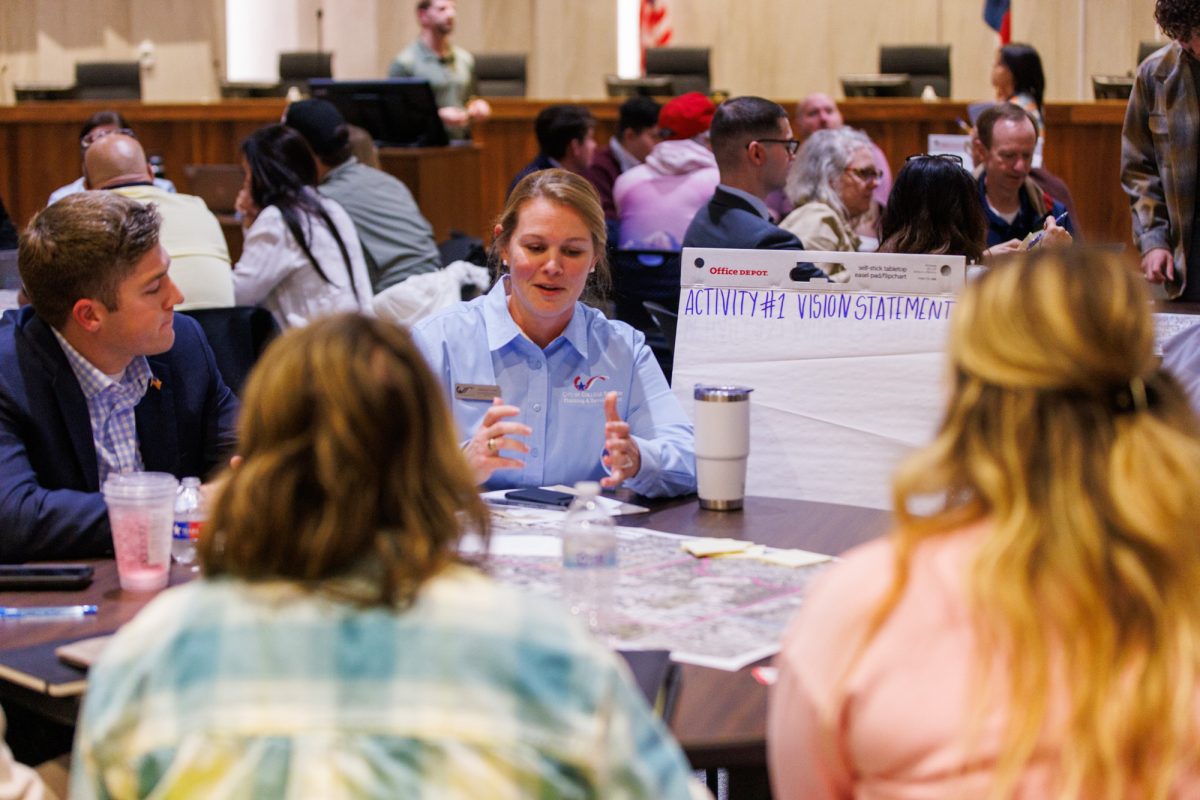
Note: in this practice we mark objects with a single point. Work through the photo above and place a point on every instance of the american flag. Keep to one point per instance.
(655, 24)
(998, 16)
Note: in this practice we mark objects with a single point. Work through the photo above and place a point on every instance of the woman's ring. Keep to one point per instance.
(491, 445)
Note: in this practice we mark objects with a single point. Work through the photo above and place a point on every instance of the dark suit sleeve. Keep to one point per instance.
(786, 240)
(37, 523)
(780, 239)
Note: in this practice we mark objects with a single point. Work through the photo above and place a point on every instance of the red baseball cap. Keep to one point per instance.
(686, 116)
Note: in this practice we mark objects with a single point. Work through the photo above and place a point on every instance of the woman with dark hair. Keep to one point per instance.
(1017, 78)
(337, 645)
(934, 208)
(302, 258)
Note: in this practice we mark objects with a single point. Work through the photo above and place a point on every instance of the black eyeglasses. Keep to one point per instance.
(944, 156)
(96, 135)
(792, 145)
(866, 173)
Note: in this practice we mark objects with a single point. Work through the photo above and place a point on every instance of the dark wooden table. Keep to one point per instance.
(720, 717)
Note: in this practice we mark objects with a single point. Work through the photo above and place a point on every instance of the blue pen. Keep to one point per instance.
(47, 612)
(1057, 221)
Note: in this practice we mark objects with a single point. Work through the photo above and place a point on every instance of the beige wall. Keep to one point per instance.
(40, 41)
(770, 47)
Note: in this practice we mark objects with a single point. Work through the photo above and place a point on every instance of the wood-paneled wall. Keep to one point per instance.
(38, 151)
(772, 48)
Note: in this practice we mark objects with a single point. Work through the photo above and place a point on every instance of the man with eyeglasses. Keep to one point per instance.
(1159, 152)
(752, 140)
(97, 126)
(1015, 205)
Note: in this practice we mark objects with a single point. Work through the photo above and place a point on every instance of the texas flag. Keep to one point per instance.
(997, 15)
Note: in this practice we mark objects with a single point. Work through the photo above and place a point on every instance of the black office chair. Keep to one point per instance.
(640, 276)
(238, 336)
(10, 279)
(216, 184)
(1146, 48)
(1112, 87)
(297, 67)
(925, 64)
(108, 80)
(500, 74)
(687, 67)
(667, 321)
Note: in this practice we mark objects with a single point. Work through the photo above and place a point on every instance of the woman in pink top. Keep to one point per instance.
(1032, 628)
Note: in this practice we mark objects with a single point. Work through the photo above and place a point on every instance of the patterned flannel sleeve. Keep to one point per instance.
(1141, 175)
(638, 757)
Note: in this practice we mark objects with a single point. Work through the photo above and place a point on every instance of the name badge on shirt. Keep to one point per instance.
(476, 391)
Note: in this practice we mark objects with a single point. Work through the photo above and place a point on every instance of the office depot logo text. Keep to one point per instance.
(756, 273)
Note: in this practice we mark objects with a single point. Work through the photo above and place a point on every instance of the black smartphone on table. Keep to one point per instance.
(44, 576)
(541, 497)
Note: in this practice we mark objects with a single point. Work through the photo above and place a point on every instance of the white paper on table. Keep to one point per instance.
(514, 544)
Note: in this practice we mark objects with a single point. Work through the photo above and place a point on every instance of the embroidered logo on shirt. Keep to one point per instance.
(583, 385)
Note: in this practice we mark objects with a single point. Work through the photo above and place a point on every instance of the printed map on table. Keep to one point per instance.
(722, 613)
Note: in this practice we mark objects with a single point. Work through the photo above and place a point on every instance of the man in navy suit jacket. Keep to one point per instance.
(101, 315)
(753, 142)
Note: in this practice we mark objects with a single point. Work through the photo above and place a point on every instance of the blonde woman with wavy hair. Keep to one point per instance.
(1032, 628)
(337, 646)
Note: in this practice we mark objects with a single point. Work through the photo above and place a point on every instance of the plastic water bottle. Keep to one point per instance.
(589, 557)
(189, 517)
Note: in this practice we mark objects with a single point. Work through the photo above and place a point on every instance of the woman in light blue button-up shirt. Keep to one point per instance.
(546, 388)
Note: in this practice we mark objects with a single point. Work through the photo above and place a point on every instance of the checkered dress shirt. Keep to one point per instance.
(110, 405)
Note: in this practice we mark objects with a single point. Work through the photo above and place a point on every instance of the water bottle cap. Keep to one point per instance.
(190, 482)
(587, 488)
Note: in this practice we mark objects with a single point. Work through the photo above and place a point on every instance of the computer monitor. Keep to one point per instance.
(397, 112)
(648, 86)
(881, 85)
